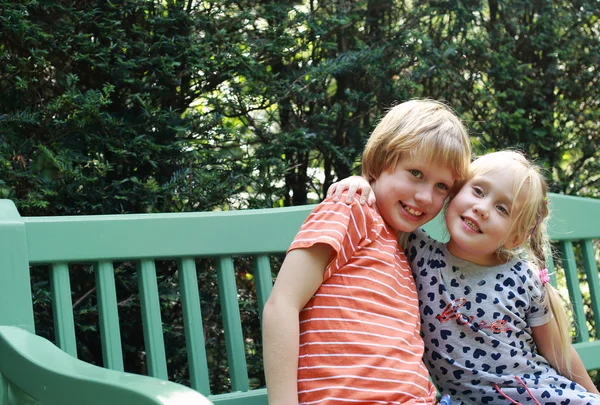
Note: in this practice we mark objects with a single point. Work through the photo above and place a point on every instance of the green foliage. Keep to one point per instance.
(92, 111)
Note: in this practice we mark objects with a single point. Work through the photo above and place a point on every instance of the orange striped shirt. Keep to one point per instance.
(359, 334)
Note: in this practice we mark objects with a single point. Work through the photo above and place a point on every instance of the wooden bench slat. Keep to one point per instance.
(568, 258)
(120, 237)
(62, 308)
(552, 270)
(589, 353)
(232, 324)
(593, 279)
(263, 281)
(570, 217)
(156, 358)
(192, 324)
(108, 316)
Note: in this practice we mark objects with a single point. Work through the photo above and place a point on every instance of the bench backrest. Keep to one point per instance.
(145, 238)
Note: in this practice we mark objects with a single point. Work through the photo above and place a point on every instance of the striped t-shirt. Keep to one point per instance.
(359, 333)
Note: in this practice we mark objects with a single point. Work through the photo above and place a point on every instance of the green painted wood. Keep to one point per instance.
(151, 320)
(3, 390)
(571, 217)
(552, 271)
(62, 308)
(15, 287)
(570, 267)
(192, 323)
(263, 281)
(53, 377)
(593, 279)
(589, 353)
(108, 316)
(115, 237)
(17, 396)
(254, 397)
(232, 324)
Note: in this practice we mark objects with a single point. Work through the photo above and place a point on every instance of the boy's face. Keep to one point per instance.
(480, 218)
(412, 193)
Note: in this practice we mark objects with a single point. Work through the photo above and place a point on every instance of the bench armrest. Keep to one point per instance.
(32, 367)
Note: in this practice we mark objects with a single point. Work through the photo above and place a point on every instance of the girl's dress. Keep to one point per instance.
(476, 324)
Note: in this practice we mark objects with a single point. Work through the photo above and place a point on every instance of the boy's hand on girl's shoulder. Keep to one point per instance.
(354, 184)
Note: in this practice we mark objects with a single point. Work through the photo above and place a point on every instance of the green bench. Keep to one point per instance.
(36, 371)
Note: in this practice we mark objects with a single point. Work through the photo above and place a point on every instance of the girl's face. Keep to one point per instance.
(480, 218)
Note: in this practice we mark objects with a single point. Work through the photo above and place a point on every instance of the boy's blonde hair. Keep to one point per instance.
(426, 128)
(530, 223)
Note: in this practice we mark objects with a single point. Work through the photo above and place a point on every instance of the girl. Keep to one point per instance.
(495, 330)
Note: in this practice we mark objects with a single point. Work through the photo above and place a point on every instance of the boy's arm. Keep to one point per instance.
(544, 336)
(300, 276)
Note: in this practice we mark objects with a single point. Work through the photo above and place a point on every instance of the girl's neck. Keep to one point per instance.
(492, 260)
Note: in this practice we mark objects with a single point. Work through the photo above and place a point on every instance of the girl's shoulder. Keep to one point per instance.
(418, 235)
(527, 273)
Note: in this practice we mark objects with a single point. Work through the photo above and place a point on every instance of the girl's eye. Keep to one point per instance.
(416, 173)
(502, 209)
(442, 186)
(478, 191)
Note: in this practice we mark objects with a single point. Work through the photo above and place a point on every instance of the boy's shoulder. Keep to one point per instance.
(353, 218)
(354, 208)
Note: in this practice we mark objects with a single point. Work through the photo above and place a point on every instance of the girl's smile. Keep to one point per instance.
(480, 218)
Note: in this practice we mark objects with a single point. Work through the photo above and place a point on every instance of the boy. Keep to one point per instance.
(342, 322)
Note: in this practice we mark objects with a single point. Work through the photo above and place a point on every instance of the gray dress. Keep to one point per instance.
(476, 323)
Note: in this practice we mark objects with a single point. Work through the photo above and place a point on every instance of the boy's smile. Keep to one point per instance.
(412, 193)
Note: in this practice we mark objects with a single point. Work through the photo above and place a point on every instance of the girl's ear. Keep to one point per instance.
(514, 240)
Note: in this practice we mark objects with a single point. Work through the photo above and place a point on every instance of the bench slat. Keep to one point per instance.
(552, 270)
(151, 320)
(121, 237)
(192, 324)
(593, 279)
(263, 283)
(108, 316)
(568, 257)
(62, 308)
(232, 324)
(588, 351)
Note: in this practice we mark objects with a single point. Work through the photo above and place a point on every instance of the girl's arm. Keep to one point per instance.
(300, 276)
(353, 184)
(546, 340)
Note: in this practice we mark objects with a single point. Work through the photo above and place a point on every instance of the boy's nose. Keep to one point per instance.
(424, 196)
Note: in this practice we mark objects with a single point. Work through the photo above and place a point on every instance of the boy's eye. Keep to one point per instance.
(477, 191)
(416, 173)
(442, 186)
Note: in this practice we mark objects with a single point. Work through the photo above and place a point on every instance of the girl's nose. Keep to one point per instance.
(481, 211)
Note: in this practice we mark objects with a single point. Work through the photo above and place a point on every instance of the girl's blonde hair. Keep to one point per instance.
(426, 128)
(530, 223)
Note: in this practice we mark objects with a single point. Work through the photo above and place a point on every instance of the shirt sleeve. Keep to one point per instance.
(539, 309)
(343, 227)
